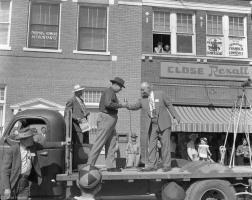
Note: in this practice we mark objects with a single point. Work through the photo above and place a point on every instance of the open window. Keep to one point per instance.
(173, 33)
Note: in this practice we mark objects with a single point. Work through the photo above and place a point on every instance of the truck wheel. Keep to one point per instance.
(210, 189)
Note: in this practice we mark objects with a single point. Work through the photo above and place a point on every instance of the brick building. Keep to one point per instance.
(46, 47)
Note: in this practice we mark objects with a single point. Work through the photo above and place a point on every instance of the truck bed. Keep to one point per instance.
(199, 170)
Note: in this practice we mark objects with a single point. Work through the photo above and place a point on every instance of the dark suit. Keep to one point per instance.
(11, 168)
(78, 112)
(160, 126)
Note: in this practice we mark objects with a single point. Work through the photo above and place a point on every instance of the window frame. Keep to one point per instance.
(7, 45)
(88, 51)
(173, 31)
(3, 105)
(226, 37)
(44, 49)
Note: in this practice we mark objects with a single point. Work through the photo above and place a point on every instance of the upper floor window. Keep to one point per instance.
(226, 36)
(162, 21)
(173, 33)
(44, 26)
(4, 22)
(236, 27)
(214, 25)
(92, 33)
(2, 96)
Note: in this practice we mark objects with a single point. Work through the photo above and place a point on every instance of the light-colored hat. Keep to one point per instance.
(78, 88)
(193, 135)
(89, 176)
(24, 133)
(133, 135)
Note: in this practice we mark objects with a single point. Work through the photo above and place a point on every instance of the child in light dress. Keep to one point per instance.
(203, 150)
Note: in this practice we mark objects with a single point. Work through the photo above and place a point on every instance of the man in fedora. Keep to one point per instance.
(106, 122)
(21, 165)
(133, 151)
(79, 112)
(156, 123)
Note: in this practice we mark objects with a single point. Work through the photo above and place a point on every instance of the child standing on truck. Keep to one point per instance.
(203, 150)
(89, 182)
(133, 151)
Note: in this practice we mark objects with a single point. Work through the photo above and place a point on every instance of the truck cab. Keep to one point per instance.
(52, 161)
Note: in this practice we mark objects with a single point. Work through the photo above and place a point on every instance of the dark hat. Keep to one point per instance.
(89, 176)
(118, 80)
(133, 135)
(24, 133)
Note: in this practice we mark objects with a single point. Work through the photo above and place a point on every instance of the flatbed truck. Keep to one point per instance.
(200, 180)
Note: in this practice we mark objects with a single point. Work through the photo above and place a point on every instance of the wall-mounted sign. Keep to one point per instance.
(44, 35)
(236, 47)
(214, 46)
(205, 71)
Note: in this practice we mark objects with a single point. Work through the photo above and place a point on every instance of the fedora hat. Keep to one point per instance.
(133, 135)
(24, 133)
(119, 81)
(78, 88)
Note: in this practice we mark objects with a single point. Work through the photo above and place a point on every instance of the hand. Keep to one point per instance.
(78, 119)
(124, 104)
(67, 142)
(7, 193)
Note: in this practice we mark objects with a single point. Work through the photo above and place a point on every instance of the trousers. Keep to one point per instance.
(106, 135)
(154, 134)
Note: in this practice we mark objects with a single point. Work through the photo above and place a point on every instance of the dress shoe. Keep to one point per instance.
(166, 169)
(148, 169)
(114, 170)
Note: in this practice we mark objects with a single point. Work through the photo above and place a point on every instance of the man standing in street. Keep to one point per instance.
(79, 113)
(106, 122)
(156, 123)
(21, 165)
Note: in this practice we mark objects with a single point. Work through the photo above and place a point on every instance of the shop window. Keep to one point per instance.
(173, 33)
(44, 26)
(92, 34)
(5, 22)
(226, 36)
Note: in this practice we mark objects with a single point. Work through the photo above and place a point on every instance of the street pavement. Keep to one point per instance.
(130, 197)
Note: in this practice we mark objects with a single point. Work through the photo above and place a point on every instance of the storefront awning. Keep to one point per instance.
(202, 119)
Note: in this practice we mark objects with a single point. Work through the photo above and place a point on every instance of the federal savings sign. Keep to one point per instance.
(205, 71)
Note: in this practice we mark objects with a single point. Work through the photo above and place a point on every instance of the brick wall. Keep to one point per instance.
(51, 76)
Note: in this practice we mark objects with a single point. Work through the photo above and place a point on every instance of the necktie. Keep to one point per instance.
(152, 105)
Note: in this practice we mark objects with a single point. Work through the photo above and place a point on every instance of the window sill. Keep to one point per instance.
(5, 48)
(92, 53)
(43, 50)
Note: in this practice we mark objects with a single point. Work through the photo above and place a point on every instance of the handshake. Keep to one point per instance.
(125, 104)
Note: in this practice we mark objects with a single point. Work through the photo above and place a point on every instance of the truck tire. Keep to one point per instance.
(210, 189)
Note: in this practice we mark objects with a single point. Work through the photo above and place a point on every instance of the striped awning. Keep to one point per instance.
(202, 119)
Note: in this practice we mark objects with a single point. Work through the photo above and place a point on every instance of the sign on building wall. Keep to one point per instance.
(236, 47)
(214, 46)
(205, 71)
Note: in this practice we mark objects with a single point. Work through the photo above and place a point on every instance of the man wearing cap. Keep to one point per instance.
(133, 151)
(79, 112)
(106, 122)
(21, 165)
(89, 182)
(156, 122)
